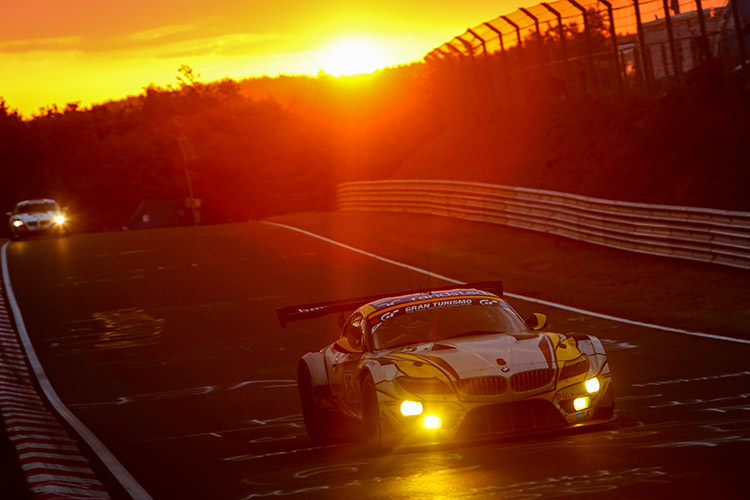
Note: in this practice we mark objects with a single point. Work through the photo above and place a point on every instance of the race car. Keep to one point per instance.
(36, 217)
(447, 364)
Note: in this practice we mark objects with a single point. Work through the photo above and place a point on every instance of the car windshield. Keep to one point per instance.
(36, 208)
(432, 322)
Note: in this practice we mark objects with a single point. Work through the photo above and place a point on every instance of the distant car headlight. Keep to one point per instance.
(17, 223)
(411, 408)
(424, 385)
(59, 219)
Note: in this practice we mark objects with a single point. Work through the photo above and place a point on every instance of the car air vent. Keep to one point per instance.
(483, 386)
(532, 379)
(441, 347)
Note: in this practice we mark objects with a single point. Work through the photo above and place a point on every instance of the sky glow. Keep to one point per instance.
(55, 52)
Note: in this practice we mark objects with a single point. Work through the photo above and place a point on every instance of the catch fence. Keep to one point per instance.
(569, 47)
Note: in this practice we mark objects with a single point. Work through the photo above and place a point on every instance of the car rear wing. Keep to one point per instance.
(318, 309)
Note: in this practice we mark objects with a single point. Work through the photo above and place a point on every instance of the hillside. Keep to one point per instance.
(275, 146)
(690, 147)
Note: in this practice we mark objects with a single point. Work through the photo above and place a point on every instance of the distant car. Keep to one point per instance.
(448, 364)
(36, 217)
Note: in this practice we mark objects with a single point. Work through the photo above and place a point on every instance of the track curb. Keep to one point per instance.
(51, 460)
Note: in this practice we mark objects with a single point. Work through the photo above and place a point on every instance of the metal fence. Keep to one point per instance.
(702, 234)
(584, 46)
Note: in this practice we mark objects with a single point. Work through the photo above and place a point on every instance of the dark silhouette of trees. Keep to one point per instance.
(261, 147)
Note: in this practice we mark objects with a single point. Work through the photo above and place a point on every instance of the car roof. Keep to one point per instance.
(34, 202)
(400, 300)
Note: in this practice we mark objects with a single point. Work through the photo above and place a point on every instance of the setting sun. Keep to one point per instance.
(85, 52)
(352, 57)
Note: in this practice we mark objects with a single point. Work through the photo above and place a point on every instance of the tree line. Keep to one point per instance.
(258, 147)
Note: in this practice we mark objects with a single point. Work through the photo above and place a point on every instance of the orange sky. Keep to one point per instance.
(89, 51)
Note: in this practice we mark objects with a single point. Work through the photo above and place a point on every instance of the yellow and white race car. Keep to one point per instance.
(447, 364)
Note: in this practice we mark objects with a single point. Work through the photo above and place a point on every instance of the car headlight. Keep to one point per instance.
(592, 385)
(581, 403)
(575, 367)
(432, 422)
(424, 385)
(17, 223)
(59, 219)
(411, 408)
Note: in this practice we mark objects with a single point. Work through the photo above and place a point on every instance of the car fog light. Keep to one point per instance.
(592, 385)
(432, 422)
(409, 408)
(59, 219)
(581, 403)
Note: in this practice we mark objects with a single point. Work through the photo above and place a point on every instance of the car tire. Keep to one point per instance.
(315, 422)
(372, 423)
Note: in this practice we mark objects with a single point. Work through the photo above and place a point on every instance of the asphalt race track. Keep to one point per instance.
(165, 344)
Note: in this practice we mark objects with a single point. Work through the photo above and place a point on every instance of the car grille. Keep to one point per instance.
(532, 379)
(504, 418)
(483, 386)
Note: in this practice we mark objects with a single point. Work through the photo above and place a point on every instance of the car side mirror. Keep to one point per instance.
(537, 321)
(343, 345)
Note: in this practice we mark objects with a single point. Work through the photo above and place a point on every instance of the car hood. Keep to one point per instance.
(40, 216)
(481, 356)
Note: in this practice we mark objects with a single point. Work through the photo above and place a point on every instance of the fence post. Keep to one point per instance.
(540, 43)
(587, 35)
(474, 80)
(676, 66)
(615, 50)
(518, 32)
(521, 62)
(740, 35)
(504, 63)
(563, 47)
(648, 71)
(485, 58)
(704, 50)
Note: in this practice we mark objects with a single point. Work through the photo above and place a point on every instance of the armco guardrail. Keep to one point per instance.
(703, 234)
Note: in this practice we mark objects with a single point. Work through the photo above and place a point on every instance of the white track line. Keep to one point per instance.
(513, 295)
(127, 481)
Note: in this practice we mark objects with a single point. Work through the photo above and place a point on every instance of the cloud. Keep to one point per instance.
(160, 33)
(165, 42)
(237, 44)
(66, 43)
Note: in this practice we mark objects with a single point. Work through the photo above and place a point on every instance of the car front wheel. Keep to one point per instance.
(372, 423)
(315, 422)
